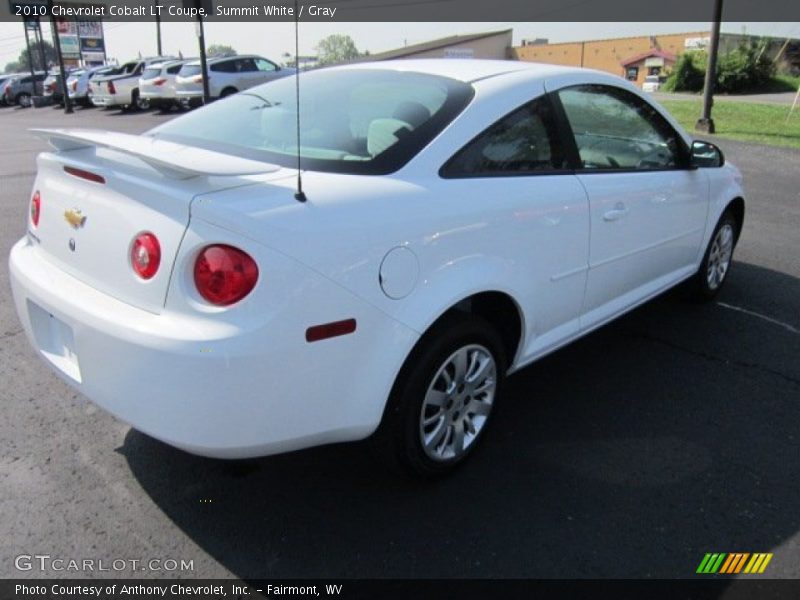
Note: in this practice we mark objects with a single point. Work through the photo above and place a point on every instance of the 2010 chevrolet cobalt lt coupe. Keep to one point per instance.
(459, 220)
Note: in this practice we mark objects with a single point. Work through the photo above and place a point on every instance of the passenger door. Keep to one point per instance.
(648, 207)
(266, 70)
(518, 176)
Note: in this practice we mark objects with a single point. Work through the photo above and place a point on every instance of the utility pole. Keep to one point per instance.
(158, 26)
(57, 40)
(706, 124)
(201, 38)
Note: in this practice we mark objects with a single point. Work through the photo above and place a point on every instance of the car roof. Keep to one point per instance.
(466, 70)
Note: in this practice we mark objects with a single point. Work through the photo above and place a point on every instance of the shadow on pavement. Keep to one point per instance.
(667, 434)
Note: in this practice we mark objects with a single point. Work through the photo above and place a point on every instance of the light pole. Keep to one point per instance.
(705, 123)
(158, 26)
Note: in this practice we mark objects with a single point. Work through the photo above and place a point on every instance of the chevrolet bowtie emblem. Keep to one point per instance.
(75, 218)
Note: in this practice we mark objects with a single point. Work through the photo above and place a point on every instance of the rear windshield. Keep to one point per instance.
(151, 73)
(189, 70)
(360, 121)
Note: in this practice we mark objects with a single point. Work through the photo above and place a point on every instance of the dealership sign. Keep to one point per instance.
(70, 47)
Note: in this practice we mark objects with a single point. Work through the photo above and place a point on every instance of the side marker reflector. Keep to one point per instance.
(329, 330)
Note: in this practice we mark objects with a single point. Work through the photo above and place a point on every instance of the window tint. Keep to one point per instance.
(615, 129)
(226, 66)
(174, 69)
(264, 65)
(246, 65)
(526, 141)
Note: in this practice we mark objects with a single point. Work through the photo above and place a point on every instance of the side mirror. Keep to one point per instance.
(706, 155)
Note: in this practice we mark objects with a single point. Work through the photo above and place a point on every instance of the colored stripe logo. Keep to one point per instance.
(733, 563)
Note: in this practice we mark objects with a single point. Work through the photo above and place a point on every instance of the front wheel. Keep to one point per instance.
(444, 397)
(716, 264)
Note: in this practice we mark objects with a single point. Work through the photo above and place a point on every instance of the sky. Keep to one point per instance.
(125, 41)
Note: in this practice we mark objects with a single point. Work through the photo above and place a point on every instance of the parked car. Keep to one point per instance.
(122, 89)
(51, 87)
(457, 221)
(157, 84)
(652, 83)
(227, 75)
(78, 83)
(19, 90)
(4, 81)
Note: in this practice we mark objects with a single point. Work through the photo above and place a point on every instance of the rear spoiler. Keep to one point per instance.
(169, 158)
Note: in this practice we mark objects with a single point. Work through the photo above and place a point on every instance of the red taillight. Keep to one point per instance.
(224, 274)
(160, 81)
(36, 208)
(74, 86)
(198, 79)
(111, 88)
(145, 255)
(85, 174)
(50, 87)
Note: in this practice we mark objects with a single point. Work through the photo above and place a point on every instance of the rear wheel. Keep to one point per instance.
(23, 99)
(716, 264)
(443, 398)
(227, 92)
(139, 103)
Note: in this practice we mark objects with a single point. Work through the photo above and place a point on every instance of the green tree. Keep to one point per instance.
(13, 67)
(24, 61)
(336, 48)
(220, 50)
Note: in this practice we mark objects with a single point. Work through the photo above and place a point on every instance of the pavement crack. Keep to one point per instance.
(10, 334)
(713, 358)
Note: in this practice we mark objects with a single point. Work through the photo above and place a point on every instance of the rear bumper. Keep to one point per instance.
(204, 384)
(108, 100)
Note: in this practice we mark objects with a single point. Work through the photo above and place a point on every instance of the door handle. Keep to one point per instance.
(619, 211)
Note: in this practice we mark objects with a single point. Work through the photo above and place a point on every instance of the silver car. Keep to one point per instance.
(20, 90)
(227, 75)
(157, 84)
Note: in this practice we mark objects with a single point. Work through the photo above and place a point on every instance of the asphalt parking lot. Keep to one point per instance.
(668, 434)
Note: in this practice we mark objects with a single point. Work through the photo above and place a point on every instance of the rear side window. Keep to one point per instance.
(523, 142)
(151, 73)
(191, 70)
(174, 69)
(246, 65)
(226, 66)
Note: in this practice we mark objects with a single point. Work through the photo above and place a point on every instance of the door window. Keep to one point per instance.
(615, 129)
(264, 65)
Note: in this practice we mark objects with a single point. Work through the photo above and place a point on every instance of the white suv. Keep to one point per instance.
(157, 84)
(227, 75)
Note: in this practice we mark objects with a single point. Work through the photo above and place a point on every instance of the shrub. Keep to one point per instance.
(747, 68)
(688, 74)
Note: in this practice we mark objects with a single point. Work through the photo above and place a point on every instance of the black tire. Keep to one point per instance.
(398, 440)
(228, 91)
(138, 103)
(703, 286)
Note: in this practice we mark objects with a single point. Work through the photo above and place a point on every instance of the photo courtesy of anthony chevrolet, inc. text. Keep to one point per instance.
(399, 299)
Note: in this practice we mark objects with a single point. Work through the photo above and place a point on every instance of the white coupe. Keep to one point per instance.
(460, 219)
